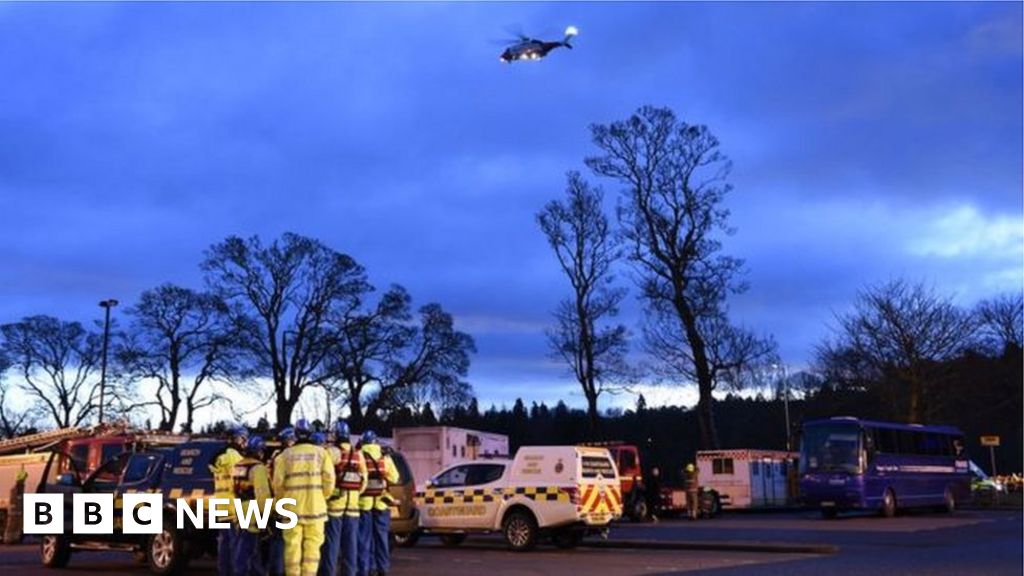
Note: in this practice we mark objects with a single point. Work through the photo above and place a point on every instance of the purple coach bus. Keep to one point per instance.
(852, 464)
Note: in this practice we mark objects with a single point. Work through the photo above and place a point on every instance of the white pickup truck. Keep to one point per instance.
(564, 492)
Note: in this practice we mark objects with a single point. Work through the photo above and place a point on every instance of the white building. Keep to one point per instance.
(429, 449)
(747, 478)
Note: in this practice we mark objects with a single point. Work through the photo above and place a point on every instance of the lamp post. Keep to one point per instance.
(107, 305)
(781, 370)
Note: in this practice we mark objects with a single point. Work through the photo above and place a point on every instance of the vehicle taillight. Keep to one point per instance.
(574, 494)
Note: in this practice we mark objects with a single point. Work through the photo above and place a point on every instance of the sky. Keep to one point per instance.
(870, 141)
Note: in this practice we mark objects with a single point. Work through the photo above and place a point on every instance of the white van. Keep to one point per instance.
(563, 492)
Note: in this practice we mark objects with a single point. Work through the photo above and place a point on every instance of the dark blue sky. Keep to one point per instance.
(870, 141)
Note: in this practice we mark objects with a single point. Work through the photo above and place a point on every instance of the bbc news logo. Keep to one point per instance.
(142, 513)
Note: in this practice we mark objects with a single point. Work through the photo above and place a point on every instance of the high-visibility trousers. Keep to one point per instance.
(302, 544)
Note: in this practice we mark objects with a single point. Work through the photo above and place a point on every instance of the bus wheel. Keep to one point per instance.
(949, 501)
(888, 503)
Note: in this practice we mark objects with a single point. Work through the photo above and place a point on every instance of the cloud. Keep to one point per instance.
(964, 232)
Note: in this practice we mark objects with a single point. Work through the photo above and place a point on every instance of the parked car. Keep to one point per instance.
(981, 483)
(404, 515)
(561, 492)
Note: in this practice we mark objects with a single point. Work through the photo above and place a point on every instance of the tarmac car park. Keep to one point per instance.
(562, 492)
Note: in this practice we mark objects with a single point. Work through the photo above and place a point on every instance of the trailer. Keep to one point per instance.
(430, 449)
(748, 478)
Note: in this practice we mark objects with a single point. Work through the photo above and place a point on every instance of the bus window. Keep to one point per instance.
(831, 448)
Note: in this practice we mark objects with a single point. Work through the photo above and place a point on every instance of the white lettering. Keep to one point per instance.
(185, 510)
(43, 514)
(92, 514)
(245, 516)
(142, 513)
(281, 507)
(219, 509)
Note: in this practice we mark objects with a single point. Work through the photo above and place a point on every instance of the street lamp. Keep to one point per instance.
(107, 305)
(781, 369)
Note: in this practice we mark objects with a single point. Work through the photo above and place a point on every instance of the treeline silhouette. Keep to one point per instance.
(983, 396)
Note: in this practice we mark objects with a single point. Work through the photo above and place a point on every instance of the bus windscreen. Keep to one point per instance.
(831, 448)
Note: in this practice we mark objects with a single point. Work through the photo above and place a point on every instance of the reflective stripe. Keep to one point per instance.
(303, 487)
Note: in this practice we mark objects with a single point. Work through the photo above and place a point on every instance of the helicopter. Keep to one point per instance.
(527, 48)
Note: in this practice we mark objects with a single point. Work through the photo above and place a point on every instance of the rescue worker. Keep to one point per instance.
(342, 529)
(13, 531)
(692, 492)
(276, 553)
(223, 469)
(374, 506)
(252, 487)
(304, 472)
(653, 494)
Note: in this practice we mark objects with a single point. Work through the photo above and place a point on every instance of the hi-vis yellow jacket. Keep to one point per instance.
(223, 469)
(347, 461)
(374, 457)
(251, 484)
(305, 472)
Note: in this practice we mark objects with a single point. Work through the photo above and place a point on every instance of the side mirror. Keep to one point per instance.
(67, 479)
(430, 483)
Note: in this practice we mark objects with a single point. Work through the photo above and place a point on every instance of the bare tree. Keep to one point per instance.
(898, 336)
(182, 340)
(578, 232)
(670, 212)
(388, 360)
(290, 298)
(1001, 322)
(12, 422)
(59, 366)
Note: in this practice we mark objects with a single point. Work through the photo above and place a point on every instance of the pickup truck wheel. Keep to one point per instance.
(166, 552)
(520, 531)
(55, 551)
(406, 539)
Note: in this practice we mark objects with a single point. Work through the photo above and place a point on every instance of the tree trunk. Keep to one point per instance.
(594, 417)
(285, 407)
(706, 422)
(705, 383)
(355, 410)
